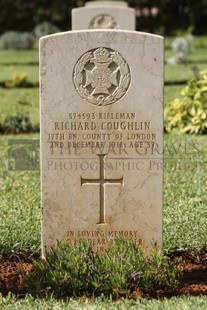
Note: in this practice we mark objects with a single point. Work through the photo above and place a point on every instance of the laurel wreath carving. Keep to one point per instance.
(101, 100)
(103, 21)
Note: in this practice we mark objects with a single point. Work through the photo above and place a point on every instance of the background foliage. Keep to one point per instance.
(170, 16)
(188, 114)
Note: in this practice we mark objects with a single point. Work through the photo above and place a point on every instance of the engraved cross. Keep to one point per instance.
(101, 182)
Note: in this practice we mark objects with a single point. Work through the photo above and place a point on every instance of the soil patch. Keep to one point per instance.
(10, 272)
(194, 265)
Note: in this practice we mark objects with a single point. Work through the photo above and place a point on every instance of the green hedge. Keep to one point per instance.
(21, 15)
(24, 15)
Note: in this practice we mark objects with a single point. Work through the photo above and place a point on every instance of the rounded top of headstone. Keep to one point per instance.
(106, 3)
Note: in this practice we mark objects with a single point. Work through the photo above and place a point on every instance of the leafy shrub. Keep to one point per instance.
(44, 29)
(118, 269)
(75, 270)
(17, 40)
(66, 272)
(161, 275)
(19, 123)
(189, 113)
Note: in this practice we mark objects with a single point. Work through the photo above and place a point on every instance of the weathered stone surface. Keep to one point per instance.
(103, 15)
(101, 136)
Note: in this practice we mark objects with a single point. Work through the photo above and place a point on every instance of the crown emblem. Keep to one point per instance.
(101, 76)
(101, 55)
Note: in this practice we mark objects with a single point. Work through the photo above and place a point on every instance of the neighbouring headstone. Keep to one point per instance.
(103, 15)
(101, 137)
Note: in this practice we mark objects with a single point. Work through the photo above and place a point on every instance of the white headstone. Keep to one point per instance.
(106, 3)
(103, 15)
(101, 136)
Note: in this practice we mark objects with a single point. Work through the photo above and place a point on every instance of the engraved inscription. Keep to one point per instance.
(103, 21)
(100, 239)
(118, 133)
(102, 181)
(101, 76)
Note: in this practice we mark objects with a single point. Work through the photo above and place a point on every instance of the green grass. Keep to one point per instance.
(168, 42)
(197, 61)
(19, 56)
(182, 72)
(198, 55)
(198, 42)
(19, 205)
(6, 72)
(20, 100)
(171, 92)
(185, 185)
(185, 200)
(181, 303)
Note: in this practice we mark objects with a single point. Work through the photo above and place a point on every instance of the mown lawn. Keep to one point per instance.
(182, 72)
(20, 57)
(184, 303)
(7, 71)
(185, 199)
(20, 100)
(26, 100)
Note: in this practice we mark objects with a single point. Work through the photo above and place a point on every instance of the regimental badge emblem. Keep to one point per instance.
(103, 21)
(101, 76)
